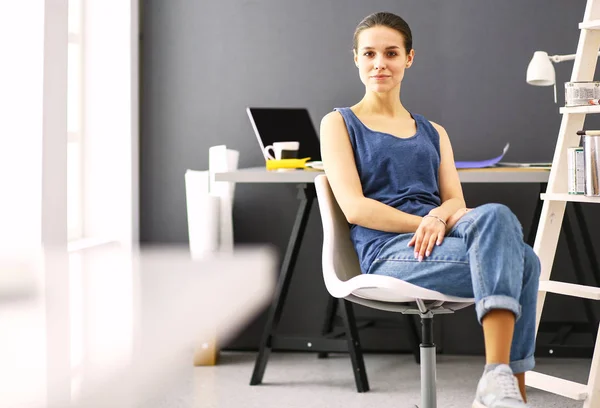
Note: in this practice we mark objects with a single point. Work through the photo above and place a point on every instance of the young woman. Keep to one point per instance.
(393, 175)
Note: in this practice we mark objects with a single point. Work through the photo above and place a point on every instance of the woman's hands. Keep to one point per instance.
(431, 232)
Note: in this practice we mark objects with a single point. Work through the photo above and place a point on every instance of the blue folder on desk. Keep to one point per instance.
(483, 163)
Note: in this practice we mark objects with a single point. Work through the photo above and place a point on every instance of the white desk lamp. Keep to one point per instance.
(540, 71)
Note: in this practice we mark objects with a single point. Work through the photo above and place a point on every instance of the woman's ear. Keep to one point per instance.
(355, 58)
(410, 58)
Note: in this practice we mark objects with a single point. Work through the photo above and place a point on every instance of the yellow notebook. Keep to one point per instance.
(287, 163)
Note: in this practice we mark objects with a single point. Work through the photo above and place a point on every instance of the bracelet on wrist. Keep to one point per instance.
(437, 218)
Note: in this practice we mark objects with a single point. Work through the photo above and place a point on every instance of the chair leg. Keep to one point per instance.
(413, 337)
(330, 312)
(356, 356)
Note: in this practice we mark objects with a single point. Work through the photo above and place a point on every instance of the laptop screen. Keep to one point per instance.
(286, 125)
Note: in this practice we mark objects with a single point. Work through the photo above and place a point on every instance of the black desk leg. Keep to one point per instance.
(306, 195)
(356, 356)
(330, 312)
(413, 330)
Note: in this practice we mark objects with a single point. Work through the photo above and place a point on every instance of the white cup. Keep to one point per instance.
(283, 150)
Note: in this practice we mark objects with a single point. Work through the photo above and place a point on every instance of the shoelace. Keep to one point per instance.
(509, 385)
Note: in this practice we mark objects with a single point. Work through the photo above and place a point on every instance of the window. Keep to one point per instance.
(75, 177)
(102, 83)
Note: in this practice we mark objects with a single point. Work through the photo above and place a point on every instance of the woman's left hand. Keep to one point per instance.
(430, 231)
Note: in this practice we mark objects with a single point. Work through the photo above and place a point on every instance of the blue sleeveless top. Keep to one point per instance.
(400, 172)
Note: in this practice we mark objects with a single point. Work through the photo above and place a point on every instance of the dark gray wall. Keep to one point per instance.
(203, 62)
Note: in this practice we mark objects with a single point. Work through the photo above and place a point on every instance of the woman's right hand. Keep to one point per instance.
(430, 232)
(451, 222)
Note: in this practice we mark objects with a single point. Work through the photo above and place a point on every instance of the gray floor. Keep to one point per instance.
(300, 380)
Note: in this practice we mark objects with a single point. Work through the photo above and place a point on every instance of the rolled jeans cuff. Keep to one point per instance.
(497, 302)
(521, 366)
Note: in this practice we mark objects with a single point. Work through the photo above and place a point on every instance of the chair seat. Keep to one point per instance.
(388, 289)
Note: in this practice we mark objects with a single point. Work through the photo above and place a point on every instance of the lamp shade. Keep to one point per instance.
(540, 71)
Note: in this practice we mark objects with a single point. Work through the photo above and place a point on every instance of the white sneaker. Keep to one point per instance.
(498, 388)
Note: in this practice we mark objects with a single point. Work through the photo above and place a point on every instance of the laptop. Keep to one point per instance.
(286, 125)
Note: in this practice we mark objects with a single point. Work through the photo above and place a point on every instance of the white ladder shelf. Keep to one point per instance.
(553, 211)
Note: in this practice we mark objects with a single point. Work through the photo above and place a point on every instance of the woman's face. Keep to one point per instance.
(381, 58)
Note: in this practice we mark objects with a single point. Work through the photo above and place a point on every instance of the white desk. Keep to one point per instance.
(488, 175)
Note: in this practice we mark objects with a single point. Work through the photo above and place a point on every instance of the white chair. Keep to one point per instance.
(344, 280)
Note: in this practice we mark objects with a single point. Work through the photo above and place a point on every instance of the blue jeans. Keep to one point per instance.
(482, 257)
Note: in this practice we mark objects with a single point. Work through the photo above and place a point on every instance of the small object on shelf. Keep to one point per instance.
(576, 173)
(591, 159)
(581, 93)
(287, 163)
(588, 132)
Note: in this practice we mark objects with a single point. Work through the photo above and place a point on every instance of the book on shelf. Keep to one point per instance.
(576, 172)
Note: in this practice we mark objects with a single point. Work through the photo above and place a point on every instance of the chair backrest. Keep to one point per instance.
(340, 262)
